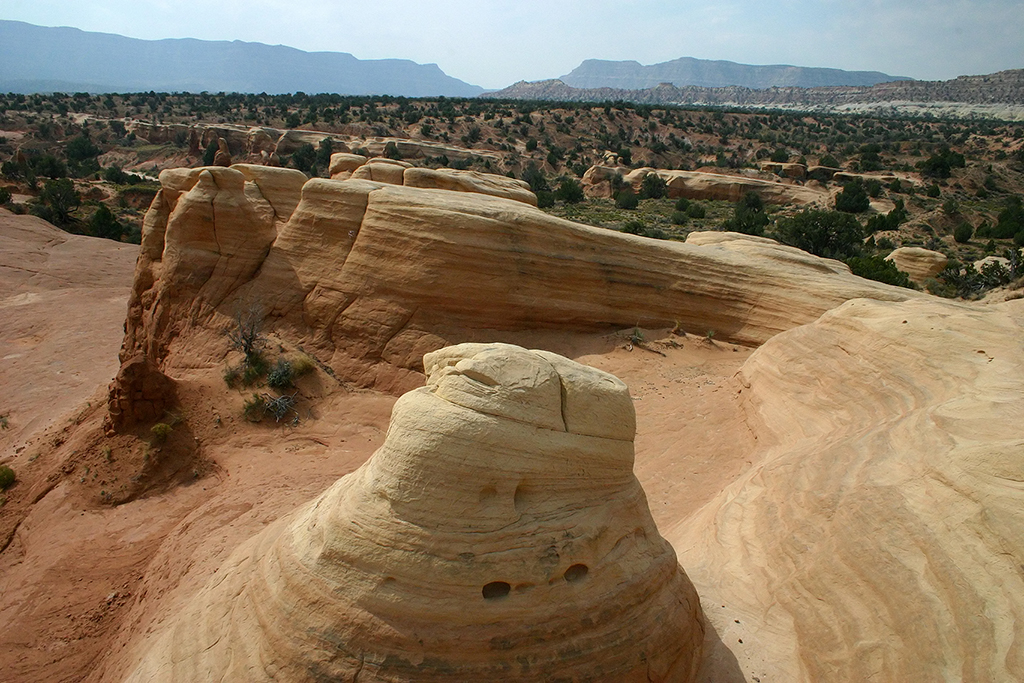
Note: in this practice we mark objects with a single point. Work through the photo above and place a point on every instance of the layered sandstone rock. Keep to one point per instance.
(498, 534)
(879, 532)
(920, 264)
(789, 170)
(363, 272)
(396, 172)
(597, 182)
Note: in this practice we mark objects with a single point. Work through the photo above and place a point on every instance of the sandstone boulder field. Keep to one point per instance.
(723, 459)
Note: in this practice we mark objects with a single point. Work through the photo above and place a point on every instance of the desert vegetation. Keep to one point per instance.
(88, 163)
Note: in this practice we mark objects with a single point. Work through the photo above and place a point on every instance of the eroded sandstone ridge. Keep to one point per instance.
(879, 534)
(498, 534)
(369, 275)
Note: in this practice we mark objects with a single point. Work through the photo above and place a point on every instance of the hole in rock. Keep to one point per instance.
(487, 493)
(495, 590)
(575, 573)
(521, 499)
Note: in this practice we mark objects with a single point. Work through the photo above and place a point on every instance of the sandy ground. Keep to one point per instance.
(81, 578)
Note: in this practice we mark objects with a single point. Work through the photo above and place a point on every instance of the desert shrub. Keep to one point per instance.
(104, 224)
(653, 186)
(853, 198)
(302, 365)
(940, 165)
(281, 375)
(780, 156)
(679, 218)
(246, 335)
(696, 210)
(885, 244)
(831, 234)
(390, 151)
(254, 408)
(749, 216)
(324, 152)
(210, 153)
(873, 188)
(7, 477)
(639, 228)
(5, 196)
(304, 157)
(58, 199)
(896, 186)
(626, 199)
(531, 145)
(887, 221)
(682, 204)
(933, 191)
(535, 178)
(963, 233)
(569, 191)
(545, 199)
(161, 431)
(829, 161)
(877, 268)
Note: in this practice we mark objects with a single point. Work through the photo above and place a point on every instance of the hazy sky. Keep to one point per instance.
(495, 43)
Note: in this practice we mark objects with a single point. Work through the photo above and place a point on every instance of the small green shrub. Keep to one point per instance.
(569, 191)
(679, 218)
(545, 199)
(682, 204)
(5, 196)
(161, 431)
(626, 199)
(7, 477)
(281, 375)
(963, 233)
(696, 210)
(877, 268)
(933, 190)
(853, 198)
(302, 365)
(653, 187)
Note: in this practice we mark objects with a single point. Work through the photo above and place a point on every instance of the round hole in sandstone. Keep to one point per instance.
(576, 573)
(496, 590)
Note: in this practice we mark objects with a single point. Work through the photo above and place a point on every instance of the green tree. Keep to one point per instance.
(780, 156)
(749, 216)
(853, 198)
(963, 233)
(569, 191)
(626, 199)
(104, 224)
(304, 157)
(324, 152)
(877, 268)
(211, 153)
(653, 186)
(830, 234)
(391, 151)
(60, 198)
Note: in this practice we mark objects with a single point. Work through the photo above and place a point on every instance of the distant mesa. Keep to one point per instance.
(707, 73)
(498, 534)
(43, 59)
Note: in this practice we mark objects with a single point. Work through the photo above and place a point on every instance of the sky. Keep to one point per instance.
(494, 43)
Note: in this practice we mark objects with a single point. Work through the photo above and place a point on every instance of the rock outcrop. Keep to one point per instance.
(395, 172)
(879, 532)
(597, 182)
(917, 262)
(498, 534)
(362, 273)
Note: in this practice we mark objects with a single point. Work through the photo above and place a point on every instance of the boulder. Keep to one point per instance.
(981, 263)
(223, 156)
(282, 187)
(920, 264)
(498, 534)
(789, 170)
(600, 181)
(344, 162)
(382, 170)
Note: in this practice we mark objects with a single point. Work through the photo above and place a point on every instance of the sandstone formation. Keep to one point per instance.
(362, 273)
(394, 172)
(879, 533)
(917, 262)
(498, 534)
(843, 177)
(601, 181)
(702, 185)
(789, 170)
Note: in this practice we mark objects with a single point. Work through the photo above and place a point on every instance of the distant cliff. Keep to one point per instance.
(706, 73)
(40, 59)
(1000, 95)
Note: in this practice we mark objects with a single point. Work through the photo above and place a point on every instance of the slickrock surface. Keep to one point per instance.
(917, 262)
(499, 533)
(370, 276)
(879, 534)
(62, 299)
(703, 185)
